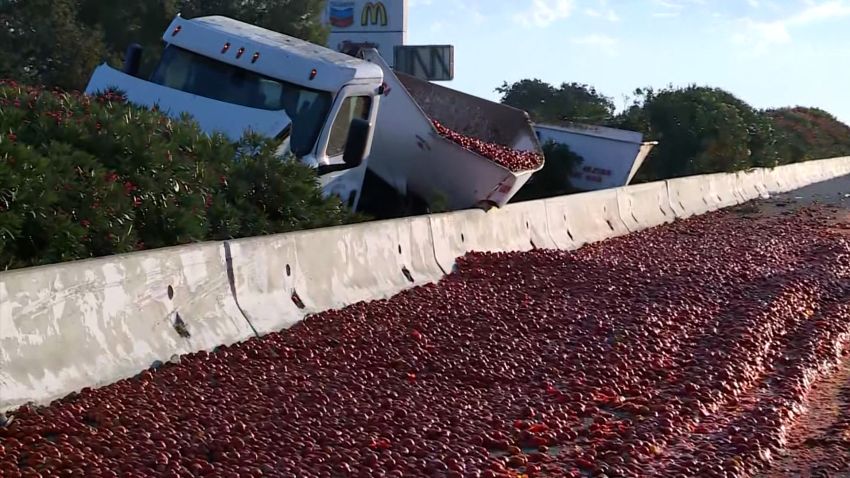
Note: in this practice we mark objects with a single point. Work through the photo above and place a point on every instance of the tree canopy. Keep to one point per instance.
(570, 102)
(810, 133)
(45, 42)
(700, 129)
(58, 43)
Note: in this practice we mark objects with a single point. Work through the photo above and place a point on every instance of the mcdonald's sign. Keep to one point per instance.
(374, 14)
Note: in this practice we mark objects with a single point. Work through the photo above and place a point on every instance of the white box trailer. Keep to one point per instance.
(611, 157)
(411, 156)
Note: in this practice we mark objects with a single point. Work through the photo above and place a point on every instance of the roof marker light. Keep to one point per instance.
(255, 57)
(225, 47)
(313, 74)
(240, 52)
(176, 30)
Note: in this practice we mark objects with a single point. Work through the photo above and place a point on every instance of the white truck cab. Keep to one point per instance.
(232, 77)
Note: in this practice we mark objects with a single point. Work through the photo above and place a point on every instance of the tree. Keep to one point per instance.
(58, 43)
(144, 21)
(571, 102)
(810, 133)
(123, 23)
(700, 130)
(44, 42)
(298, 18)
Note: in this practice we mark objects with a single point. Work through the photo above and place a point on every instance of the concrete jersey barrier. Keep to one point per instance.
(580, 219)
(690, 196)
(723, 189)
(89, 323)
(785, 178)
(516, 227)
(752, 184)
(279, 279)
(645, 205)
(93, 322)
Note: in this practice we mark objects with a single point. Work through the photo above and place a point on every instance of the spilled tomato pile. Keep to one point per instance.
(682, 351)
(817, 444)
(512, 159)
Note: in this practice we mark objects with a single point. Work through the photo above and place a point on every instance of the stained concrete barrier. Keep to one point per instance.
(835, 167)
(580, 219)
(809, 172)
(645, 205)
(265, 273)
(780, 179)
(789, 177)
(723, 190)
(560, 227)
(516, 227)
(93, 322)
(695, 195)
(343, 265)
(799, 175)
(841, 165)
(751, 185)
(690, 196)
(279, 279)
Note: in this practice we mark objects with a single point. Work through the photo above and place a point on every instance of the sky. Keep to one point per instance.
(770, 53)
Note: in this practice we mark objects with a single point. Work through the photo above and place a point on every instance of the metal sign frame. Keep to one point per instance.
(426, 62)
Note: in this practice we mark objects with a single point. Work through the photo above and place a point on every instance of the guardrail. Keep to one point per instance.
(89, 323)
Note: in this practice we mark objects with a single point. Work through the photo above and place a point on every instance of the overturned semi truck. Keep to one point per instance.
(347, 116)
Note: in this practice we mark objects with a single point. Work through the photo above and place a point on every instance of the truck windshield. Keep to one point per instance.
(193, 73)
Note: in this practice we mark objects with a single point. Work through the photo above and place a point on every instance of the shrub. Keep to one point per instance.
(700, 130)
(810, 133)
(91, 176)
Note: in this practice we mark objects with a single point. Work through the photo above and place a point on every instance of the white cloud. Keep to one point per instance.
(673, 8)
(760, 35)
(602, 10)
(469, 11)
(542, 13)
(603, 42)
(820, 11)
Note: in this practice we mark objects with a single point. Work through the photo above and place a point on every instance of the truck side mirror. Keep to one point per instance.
(133, 59)
(355, 146)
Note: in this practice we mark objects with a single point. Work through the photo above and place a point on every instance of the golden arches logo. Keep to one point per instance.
(374, 13)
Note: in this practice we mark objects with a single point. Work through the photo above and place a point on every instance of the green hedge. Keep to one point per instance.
(92, 176)
(708, 130)
(810, 133)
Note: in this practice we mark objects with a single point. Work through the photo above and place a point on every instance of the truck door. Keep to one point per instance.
(351, 107)
(353, 102)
